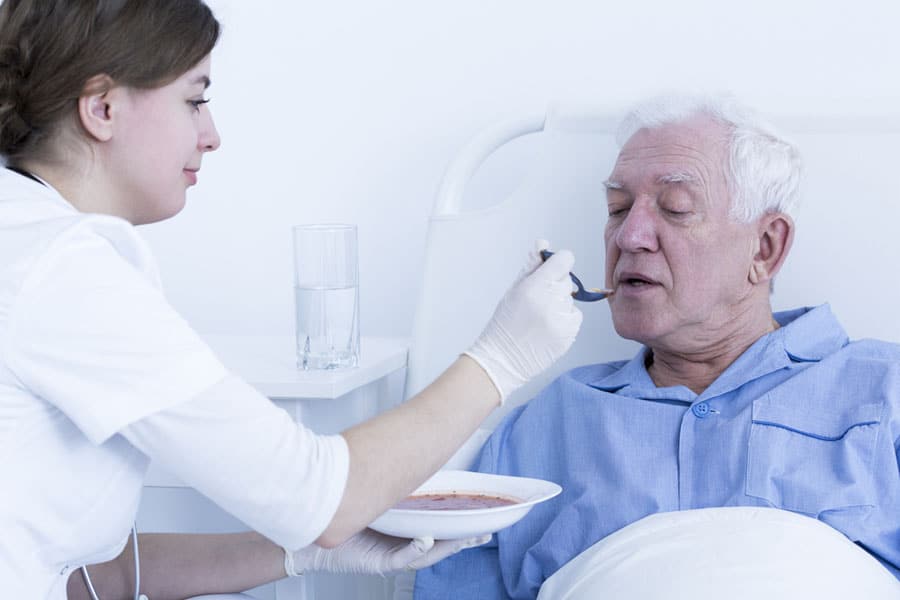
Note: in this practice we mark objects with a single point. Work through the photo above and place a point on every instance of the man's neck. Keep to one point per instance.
(698, 367)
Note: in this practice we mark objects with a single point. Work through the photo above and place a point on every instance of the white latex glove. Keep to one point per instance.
(534, 324)
(372, 553)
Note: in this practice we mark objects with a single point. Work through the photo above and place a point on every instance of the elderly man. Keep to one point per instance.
(726, 404)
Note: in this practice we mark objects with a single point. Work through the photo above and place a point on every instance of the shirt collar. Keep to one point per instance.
(633, 380)
(811, 334)
(806, 335)
(38, 186)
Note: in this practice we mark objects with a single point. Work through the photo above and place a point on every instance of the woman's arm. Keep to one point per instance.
(395, 452)
(392, 454)
(295, 487)
(175, 566)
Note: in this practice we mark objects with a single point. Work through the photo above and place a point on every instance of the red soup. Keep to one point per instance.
(454, 501)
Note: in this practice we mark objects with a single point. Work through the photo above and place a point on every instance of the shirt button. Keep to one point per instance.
(700, 410)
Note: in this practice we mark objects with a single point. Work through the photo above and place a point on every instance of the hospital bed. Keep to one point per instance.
(541, 176)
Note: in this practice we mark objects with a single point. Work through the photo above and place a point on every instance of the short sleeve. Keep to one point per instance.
(233, 445)
(92, 334)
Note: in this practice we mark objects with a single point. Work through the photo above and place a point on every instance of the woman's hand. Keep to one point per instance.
(372, 553)
(534, 324)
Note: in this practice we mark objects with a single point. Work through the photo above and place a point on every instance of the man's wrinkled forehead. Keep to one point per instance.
(691, 152)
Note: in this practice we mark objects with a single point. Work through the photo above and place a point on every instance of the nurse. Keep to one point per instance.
(103, 126)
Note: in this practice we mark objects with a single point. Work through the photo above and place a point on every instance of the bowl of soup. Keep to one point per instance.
(461, 504)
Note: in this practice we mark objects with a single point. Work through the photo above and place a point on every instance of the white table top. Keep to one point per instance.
(269, 364)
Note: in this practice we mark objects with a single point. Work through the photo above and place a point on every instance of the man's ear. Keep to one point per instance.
(95, 110)
(775, 233)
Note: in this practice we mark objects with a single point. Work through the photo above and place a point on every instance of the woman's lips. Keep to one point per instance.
(191, 176)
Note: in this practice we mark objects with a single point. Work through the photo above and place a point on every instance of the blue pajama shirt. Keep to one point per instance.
(803, 420)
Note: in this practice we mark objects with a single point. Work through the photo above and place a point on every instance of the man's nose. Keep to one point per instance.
(638, 231)
(209, 139)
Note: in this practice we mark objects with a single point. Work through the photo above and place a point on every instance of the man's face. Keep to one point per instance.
(679, 264)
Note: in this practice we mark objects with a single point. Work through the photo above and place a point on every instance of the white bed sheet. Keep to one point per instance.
(735, 552)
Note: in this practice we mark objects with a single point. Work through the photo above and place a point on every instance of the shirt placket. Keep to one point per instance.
(696, 426)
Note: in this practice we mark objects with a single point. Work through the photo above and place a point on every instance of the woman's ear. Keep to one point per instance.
(94, 107)
(775, 235)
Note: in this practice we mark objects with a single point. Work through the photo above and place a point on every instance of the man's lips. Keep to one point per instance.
(635, 279)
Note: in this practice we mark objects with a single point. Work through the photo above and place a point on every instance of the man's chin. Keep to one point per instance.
(636, 329)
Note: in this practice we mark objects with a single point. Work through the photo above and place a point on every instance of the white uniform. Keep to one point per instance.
(98, 374)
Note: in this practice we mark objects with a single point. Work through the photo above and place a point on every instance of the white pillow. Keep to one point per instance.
(717, 553)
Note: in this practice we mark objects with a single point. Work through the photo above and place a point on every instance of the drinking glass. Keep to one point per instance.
(326, 296)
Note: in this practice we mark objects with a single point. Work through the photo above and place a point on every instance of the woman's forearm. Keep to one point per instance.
(389, 456)
(394, 453)
(533, 325)
(176, 566)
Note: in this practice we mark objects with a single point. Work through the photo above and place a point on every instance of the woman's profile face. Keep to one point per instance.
(156, 152)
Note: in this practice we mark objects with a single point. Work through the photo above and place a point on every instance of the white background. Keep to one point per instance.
(349, 111)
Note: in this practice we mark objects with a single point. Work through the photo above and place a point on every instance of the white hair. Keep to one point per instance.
(764, 168)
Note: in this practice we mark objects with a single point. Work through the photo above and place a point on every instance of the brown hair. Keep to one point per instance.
(49, 49)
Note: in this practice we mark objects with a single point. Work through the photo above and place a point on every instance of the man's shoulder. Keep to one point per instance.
(868, 367)
(871, 350)
(815, 333)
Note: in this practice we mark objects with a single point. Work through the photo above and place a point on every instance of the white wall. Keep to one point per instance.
(350, 110)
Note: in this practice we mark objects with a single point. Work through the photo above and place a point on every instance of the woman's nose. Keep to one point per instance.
(209, 139)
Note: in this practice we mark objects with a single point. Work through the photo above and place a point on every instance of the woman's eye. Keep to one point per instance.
(198, 103)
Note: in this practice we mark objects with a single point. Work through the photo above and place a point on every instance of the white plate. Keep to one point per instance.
(455, 524)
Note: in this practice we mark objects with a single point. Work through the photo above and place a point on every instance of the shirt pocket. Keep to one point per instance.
(810, 461)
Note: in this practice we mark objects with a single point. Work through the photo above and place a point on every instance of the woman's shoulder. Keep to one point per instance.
(92, 234)
(72, 257)
(36, 247)
(36, 223)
